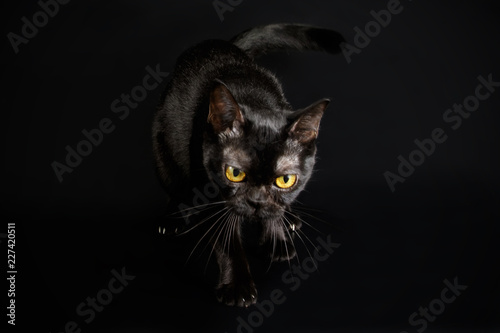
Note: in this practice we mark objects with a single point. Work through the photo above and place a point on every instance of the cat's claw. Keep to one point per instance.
(242, 296)
(169, 230)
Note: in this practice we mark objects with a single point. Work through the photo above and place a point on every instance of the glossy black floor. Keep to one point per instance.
(432, 243)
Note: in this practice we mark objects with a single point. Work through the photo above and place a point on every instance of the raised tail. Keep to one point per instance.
(274, 37)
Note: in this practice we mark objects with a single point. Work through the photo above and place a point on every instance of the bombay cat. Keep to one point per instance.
(224, 120)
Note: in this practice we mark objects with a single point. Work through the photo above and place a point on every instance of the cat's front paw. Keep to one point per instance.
(233, 294)
(283, 251)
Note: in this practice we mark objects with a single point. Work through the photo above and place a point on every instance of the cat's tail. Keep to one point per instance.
(274, 37)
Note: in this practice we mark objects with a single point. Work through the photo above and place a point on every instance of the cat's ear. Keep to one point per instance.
(224, 113)
(305, 125)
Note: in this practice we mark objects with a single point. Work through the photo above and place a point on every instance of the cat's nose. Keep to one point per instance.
(256, 197)
(255, 204)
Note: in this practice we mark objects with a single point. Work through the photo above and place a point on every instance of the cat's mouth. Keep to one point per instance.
(258, 211)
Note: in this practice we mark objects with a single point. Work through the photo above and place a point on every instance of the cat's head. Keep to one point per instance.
(263, 157)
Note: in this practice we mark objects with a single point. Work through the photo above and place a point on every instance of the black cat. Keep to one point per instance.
(224, 120)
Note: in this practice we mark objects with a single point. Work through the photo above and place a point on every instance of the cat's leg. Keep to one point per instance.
(278, 239)
(236, 286)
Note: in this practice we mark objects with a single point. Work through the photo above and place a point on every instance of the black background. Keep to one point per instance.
(397, 248)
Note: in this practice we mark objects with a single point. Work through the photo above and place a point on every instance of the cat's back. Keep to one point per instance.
(199, 65)
(188, 90)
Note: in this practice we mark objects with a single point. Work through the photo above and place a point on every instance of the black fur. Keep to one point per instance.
(260, 40)
(220, 109)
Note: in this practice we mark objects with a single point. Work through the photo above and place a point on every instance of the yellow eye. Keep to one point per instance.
(235, 174)
(286, 181)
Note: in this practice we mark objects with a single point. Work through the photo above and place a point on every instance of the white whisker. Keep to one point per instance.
(204, 235)
(197, 207)
(203, 221)
(303, 221)
(219, 230)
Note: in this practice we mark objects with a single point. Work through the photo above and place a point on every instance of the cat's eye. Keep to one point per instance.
(234, 174)
(286, 181)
